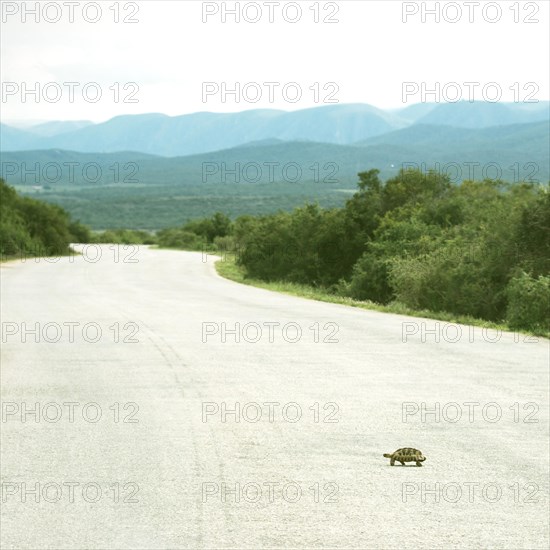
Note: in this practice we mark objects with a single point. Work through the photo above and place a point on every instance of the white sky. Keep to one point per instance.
(170, 52)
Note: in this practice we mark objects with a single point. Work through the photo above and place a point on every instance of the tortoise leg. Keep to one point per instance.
(402, 463)
(418, 463)
(392, 461)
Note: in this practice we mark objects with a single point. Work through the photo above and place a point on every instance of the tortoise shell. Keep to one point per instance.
(406, 454)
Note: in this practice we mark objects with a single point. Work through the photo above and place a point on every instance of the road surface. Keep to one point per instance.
(154, 428)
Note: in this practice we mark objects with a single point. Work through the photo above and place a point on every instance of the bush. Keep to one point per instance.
(400, 235)
(225, 245)
(369, 280)
(179, 238)
(15, 240)
(124, 236)
(29, 227)
(533, 235)
(79, 233)
(219, 225)
(440, 283)
(529, 302)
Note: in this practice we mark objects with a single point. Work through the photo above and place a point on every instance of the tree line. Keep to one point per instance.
(480, 248)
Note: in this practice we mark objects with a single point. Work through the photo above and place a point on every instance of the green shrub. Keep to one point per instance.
(29, 227)
(124, 236)
(529, 302)
(179, 238)
(454, 277)
(225, 245)
(369, 280)
(79, 233)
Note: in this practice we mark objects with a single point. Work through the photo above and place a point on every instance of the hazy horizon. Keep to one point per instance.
(27, 123)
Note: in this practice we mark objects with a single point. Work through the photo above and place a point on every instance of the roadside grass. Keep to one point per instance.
(230, 270)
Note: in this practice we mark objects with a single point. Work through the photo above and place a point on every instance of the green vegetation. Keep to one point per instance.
(528, 302)
(207, 233)
(153, 207)
(123, 236)
(32, 228)
(417, 243)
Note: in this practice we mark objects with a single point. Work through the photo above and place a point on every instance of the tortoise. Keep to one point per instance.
(406, 454)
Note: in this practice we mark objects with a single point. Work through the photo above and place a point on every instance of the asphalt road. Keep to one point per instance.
(150, 427)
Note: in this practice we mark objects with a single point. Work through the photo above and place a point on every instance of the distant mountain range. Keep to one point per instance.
(152, 171)
(345, 124)
(520, 151)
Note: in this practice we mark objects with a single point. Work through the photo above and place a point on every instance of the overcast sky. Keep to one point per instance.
(161, 61)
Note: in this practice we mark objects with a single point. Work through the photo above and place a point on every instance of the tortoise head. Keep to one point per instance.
(422, 459)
